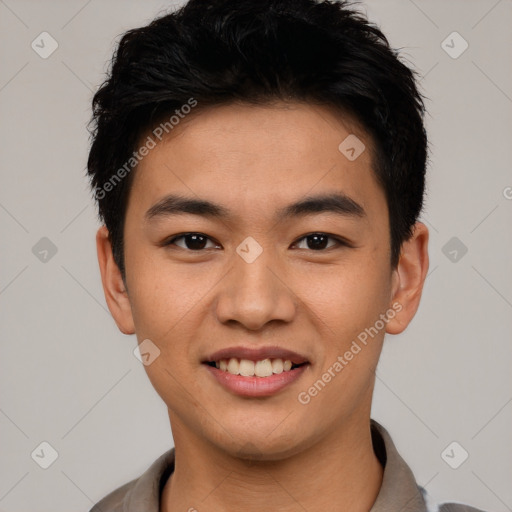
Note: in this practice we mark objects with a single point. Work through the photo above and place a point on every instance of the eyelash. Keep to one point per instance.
(339, 241)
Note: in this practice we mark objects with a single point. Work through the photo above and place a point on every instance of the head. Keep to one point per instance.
(284, 129)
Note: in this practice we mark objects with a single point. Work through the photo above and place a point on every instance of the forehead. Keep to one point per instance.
(259, 157)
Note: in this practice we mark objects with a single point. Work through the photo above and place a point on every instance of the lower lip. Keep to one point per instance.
(256, 386)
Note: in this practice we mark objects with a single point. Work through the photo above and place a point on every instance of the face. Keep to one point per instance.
(250, 278)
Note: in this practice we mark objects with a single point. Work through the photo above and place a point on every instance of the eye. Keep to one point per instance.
(197, 242)
(191, 241)
(318, 241)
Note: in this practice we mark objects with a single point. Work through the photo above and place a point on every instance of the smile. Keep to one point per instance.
(246, 368)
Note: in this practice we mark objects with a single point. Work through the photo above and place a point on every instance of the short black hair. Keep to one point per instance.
(217, 52)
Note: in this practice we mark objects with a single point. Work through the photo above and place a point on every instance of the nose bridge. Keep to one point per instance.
(253, 293)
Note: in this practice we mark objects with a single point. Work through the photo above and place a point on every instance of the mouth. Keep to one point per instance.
(255, 372)
(261, 368)
(261, 362)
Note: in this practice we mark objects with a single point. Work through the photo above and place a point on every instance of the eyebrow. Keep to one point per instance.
(336, 203)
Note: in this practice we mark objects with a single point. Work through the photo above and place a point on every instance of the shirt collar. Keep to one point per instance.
(399, 491)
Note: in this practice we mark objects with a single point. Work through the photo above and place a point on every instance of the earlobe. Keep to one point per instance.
(408, 279)
(114, 289)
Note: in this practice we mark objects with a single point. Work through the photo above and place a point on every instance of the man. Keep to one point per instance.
(259, 167)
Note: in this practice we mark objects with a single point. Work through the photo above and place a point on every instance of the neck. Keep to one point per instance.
(341, 468)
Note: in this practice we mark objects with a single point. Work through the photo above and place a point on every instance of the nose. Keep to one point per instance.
(255, 293)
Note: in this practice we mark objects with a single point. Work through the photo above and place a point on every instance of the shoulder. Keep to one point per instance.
(457, 507)
(400, 490)
(113, 502)
(141, 494)
(432, 506)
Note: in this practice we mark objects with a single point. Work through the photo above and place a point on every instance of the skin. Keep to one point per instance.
(239, 453)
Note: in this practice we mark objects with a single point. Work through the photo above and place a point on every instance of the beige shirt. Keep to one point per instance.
(399, 491)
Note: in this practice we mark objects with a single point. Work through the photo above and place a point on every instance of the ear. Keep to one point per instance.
(114, 289)
(408, 279)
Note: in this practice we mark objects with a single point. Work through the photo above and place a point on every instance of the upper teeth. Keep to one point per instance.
(247, 368)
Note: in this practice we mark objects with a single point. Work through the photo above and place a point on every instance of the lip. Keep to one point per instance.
(256, 386)
(257, 354)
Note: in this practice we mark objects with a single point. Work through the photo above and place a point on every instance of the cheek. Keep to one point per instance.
(348, 299)
(348, 306)
(160, 294)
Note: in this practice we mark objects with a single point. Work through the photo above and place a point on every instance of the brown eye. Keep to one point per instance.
(191, 241)
(319, 241)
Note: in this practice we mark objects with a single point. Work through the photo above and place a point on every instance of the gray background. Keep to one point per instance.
(68, 377)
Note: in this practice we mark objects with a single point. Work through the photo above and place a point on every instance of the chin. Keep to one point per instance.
(256, 444)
